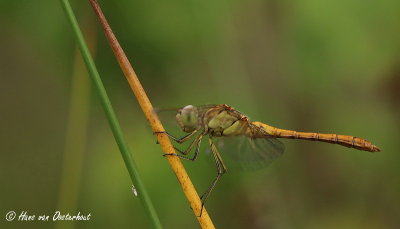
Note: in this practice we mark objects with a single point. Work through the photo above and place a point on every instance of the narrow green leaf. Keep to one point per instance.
(110, 114)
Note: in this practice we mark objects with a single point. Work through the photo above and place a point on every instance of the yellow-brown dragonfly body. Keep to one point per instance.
(221, 120)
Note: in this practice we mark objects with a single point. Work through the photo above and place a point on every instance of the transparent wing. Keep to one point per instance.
(206, 106)
(167, 118)
(248, 153)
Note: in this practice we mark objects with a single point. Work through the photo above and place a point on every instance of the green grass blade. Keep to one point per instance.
(110, 114)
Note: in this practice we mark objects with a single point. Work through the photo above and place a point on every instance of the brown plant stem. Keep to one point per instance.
(154, 122)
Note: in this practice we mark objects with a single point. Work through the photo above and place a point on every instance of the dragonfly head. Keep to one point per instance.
(187, 118)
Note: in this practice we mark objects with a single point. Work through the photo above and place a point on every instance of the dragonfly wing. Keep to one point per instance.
(167, 115)
(167, 118)
(248, 153)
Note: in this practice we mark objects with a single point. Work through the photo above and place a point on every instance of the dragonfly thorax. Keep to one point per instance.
(187, 118)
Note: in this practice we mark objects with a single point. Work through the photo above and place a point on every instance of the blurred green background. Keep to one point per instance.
(326, 66)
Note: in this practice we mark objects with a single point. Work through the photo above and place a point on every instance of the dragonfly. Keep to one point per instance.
(223, 121)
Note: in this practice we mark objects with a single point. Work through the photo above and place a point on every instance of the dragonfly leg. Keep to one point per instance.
(196, 152)
(178, 140)
(221, 170)
(197, 142)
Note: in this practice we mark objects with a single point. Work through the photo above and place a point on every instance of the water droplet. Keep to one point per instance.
(134, 190)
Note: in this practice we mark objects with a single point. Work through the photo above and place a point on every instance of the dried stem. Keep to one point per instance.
(154, 122)
(111, 117)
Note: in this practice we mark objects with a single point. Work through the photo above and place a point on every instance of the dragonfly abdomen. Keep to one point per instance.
(344, 140)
